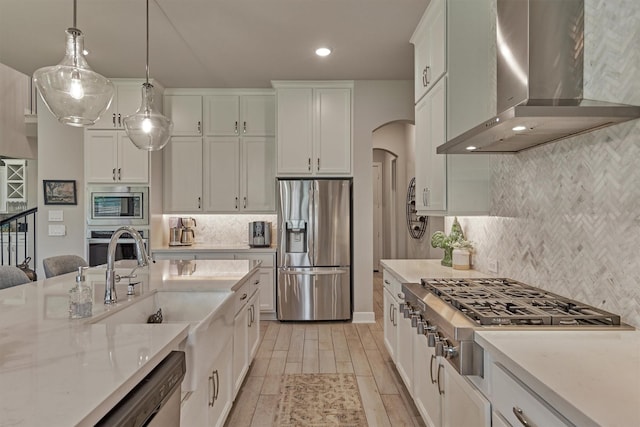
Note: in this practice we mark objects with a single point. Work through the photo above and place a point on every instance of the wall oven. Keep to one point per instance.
(117, 205)
(98, 243)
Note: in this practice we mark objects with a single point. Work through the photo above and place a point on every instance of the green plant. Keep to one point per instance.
(455, 239)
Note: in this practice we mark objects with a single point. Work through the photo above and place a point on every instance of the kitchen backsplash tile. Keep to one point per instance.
(566, 216)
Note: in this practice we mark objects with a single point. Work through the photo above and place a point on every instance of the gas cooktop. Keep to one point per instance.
(501, 301)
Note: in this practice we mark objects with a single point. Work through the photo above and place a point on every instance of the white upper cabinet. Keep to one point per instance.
(239, 115)
(314, 128)
(186, 113)
(451, 99)
(182, 177)
(126, 100)
(111, 157)
(430, 41)
(222, 174)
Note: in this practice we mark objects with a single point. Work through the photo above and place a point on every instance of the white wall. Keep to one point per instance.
(61, 156)
(376, 102)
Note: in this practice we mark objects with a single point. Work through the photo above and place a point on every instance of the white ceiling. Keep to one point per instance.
(218, 43)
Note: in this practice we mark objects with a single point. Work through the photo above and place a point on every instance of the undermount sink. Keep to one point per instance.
(206, 312)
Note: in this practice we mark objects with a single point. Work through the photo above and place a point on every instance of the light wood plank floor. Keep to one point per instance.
(326, 347)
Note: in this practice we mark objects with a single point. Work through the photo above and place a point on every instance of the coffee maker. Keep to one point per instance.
(188, 235)
(259, 234)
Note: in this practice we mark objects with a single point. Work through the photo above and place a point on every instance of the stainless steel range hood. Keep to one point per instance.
(540, 63)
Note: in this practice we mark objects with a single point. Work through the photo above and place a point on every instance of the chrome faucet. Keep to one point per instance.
(111, 277)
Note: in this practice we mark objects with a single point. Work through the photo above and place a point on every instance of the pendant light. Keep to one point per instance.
(74, 93)
(148, 129)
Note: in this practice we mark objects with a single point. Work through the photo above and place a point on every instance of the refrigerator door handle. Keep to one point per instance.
(314, 273)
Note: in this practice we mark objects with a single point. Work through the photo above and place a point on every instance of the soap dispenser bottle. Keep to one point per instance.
(80, 298)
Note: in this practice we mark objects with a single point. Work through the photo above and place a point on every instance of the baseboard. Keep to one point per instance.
(363, 317)
(268, 315)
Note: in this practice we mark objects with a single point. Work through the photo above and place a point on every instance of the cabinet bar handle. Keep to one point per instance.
(119, 120)
(119, 174)
(236, 128)
(217, 385)
(245, 202)
(244, 127)
(391, 313)
(199, 202)
(212, 389)
(395, 317)
(236, 203)
(309, 164)
(426, 75)
(114, 119)
(441, 391)
(199, 126)
(433, 357)
(318, 163)
(520, 416)
(113, 174)
(244, 297)
(250, 317)
(387, 282)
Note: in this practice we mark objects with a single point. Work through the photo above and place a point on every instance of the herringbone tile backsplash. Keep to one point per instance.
(566, 216)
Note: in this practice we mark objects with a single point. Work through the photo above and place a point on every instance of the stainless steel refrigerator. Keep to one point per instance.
(314, 249)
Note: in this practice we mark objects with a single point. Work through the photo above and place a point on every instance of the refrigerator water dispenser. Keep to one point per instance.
(296, 236)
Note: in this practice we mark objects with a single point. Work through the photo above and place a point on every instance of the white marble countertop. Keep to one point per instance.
(204, 247)
(412, 270)
(591, 377)
(60, 372)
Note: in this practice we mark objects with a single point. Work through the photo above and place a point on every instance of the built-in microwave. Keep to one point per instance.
(117, 205)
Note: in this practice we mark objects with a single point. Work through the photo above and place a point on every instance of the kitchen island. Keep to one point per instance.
(62, 372)
(551, 377)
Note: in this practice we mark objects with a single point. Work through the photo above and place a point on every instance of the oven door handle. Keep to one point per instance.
(100, 241)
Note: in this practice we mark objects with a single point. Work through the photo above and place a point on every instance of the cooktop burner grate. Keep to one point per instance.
(499, 301)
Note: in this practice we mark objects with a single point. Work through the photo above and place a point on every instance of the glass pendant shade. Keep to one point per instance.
(148, 129)
(74, 93)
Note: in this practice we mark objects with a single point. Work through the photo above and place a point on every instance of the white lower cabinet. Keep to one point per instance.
(519, 406)
(443, 397)
(404, 352)
(246, 330)
(390, 323)
(425, 386)
(219, 397)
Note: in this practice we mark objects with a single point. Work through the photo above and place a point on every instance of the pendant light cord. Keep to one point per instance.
(147, 41)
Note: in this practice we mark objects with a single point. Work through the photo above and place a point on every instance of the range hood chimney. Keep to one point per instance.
(540, 63)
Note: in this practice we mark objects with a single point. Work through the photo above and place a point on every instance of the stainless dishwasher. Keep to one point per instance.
(155, 401)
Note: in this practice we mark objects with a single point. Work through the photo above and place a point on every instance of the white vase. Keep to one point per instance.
(460, 259)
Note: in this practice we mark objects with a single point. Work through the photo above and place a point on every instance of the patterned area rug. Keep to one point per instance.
(320, 400)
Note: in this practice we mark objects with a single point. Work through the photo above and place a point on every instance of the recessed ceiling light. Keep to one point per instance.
(323, 51)
(472, 147)
(518, 128)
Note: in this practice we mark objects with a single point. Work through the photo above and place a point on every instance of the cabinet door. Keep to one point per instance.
(295, 130)
(133, 164)
(101, 156)
(108, 119)
(221, 113)
(182, 180)
(431, 167)
(258, 115)
(462, 403)
(437, 41)
(425, 386)
(258, 174)
(220, 389)
(221, 174)
(186, 113)
(129, 99)
(404, 351)
(390, 321)
(253, 332)
(240, 346)
(332, 132)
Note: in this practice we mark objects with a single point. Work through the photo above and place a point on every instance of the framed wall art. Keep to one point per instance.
(60, 192)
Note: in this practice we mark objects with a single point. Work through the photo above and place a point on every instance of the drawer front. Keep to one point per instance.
(392, 284)
(242, 295)
(520, 406)
(267, 259)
